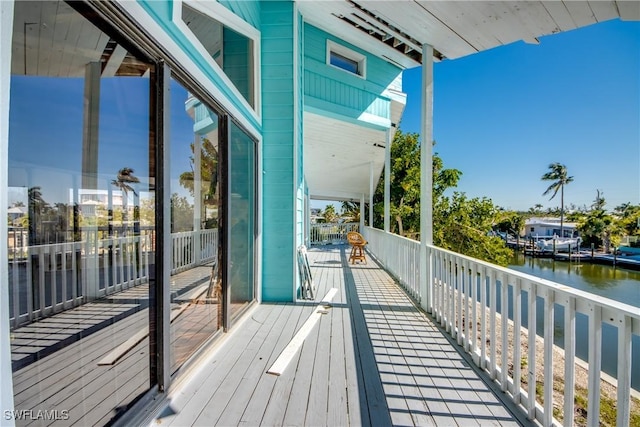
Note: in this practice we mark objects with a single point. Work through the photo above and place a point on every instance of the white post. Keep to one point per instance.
(6, 385)
(387, 181)
(362, 213)
(426, 178)
(197, 198)
(371, 189)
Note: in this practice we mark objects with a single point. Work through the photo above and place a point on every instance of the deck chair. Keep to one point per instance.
(357, 242)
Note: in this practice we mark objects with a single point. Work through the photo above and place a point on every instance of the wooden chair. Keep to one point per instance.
(357, 243)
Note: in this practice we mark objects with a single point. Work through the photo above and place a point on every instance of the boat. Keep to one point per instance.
(557, 244)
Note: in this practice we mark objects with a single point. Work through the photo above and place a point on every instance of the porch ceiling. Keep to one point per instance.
(337, 156)
(396, 30)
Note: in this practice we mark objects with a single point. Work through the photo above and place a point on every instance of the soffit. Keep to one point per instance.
(396, 30)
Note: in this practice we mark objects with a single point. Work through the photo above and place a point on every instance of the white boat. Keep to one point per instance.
(561, 245)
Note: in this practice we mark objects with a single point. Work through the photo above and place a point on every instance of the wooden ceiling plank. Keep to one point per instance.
(456, 16)
(73, 34)
(495, 18)
(629, 10)
(533, 16)
(421, 25)
(28, 24)
(45, 42)
(559, 14)
(580, 12)
(604, 10)
(64, 16)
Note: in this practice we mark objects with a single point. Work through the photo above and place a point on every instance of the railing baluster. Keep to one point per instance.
(624, 371)
(483, 318)
(474, 310)
(517, 345)
(595, 361)
(51, 249)
(569, 359)
(504, 313)
(63, 270)
(531, 359)
(492, 313)
(459, 284)
(549, 311)
(15, 271)
(467, 310)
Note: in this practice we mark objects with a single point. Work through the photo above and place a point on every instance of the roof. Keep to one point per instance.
(398, 29)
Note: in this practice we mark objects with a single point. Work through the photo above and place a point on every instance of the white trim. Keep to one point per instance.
(296, 128)
(6, 387)
(216, 11)
(137, 12)
(349, 54)
(258, 253)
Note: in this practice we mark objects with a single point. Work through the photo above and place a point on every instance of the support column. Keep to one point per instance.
(387, 181)
(362, 213)
(371, 190)
(91, 120)
(197, 197)
(426, 178)
(6, 385)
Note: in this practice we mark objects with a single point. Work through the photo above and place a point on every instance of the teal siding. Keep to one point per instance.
(249, 10)
(335, 91)
(162, 13)
(278, 125)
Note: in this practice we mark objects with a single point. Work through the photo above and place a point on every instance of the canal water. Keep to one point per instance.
(606, 281)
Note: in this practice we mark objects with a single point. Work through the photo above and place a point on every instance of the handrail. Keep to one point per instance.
(331, 233)
(47, 279)
(462, 286)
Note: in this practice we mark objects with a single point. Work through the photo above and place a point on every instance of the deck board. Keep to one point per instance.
(372, 359)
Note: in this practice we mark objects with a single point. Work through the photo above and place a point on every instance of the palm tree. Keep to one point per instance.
(558, 174)
(123, 181)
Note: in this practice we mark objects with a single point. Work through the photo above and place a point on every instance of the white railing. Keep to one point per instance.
(400, 257)
(187, 252)
(324, 234)
(481, 305)
(47, 279)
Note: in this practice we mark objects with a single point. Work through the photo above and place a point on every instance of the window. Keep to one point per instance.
(346, 59)
(232, 51)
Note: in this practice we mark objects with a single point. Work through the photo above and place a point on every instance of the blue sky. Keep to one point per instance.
(502, 116)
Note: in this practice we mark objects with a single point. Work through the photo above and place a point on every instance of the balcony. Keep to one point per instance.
(374, 357)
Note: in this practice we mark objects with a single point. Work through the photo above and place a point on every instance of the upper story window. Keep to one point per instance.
(232, 51)
(346, 59)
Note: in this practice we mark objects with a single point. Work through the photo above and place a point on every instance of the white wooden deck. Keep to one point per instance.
(372, 359)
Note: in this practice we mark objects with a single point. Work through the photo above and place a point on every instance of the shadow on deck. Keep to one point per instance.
(373, 358)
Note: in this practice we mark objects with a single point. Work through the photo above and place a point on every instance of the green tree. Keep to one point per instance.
(599, 227)
(181, 214)
(558, 175)
(459, 224)
(124, 181)
(208, 172)
(351, 211)
(329, 214)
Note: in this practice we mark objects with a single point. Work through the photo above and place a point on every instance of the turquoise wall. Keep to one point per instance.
(249, 10)
(334, 92)
(278, 125)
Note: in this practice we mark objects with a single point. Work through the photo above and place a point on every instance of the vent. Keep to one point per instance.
(378, 28)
